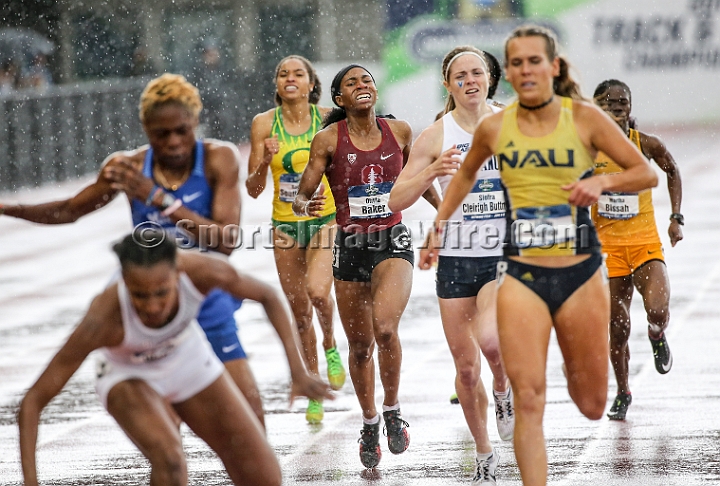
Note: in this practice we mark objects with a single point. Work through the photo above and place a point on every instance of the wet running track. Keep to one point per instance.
(671, 437)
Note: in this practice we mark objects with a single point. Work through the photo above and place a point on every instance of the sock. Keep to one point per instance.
(484, 456)
(372, 421)
(501, 394)
(655, 329)
(391, 407)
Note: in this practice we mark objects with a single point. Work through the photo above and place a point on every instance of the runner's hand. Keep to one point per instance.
(272, 146)
(447, 164)
(317, 203)
(584, 192)
(310, 386)
(125, 176)
(675, 232)
(429, 252)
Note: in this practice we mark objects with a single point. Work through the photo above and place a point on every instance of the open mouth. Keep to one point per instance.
(364, 97)
(472, 91)
(291, 88)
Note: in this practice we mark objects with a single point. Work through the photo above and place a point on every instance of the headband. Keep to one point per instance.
(335, 86)
(447, 69)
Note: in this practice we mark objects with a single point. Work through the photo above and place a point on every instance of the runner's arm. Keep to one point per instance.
(261, 152)
(657, 151)
(91, 334)
(308, 202)
(89, 199)
(207, 273)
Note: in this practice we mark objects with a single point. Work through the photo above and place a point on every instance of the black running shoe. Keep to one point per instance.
(370, 453)
(619, 407)
(662, 354)
(396, 431)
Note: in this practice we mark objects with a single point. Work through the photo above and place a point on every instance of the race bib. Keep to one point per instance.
(369, 200)
(486, 200)
(544, 226)
(289, 184)
(618, 205)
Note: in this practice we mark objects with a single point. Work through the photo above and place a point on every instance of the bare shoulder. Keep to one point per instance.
(652, 145)
(222, 158)
(401, 129)
(262, 123)
(583, 110)
(135, 156)
(430, 139)
(490, 123)
(102, 325)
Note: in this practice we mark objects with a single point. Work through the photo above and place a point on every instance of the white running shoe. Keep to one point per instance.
(505, 415)
(485, 470)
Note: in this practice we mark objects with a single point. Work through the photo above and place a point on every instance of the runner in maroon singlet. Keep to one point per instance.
(362, 155)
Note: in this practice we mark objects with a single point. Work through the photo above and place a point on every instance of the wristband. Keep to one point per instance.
(172, 208)
(167, 201)
(151, 195)
(678, 217)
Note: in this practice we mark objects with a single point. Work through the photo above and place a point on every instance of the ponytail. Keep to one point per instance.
(564, 84)
(334, 116)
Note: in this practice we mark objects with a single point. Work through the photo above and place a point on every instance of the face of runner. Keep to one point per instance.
(153, 292)
(529, 69)
(468, 81)
(357, 90)
(293, 80)
(616, 103)
(171, 132)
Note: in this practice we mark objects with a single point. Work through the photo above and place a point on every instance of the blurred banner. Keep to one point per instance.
(668, 53)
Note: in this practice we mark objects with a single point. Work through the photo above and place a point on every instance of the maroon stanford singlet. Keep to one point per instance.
(361, 181)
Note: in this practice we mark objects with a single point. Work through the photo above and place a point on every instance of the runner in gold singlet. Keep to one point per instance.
(629, 236)
(551, 278)
(281, 141)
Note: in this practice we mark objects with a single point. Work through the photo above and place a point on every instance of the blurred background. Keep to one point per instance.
(71, 71)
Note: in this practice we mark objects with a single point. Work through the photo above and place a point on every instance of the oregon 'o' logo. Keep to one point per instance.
(287, 161)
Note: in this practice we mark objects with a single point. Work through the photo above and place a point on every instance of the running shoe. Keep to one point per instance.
(335, 370)
(485, 470)
(454, 399)
(370, 453)
(619, 407)
(662, 354)
(505, 415)
(396, 431)
(314, 413)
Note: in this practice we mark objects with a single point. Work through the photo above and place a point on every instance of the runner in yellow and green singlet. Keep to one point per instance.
(280, 140)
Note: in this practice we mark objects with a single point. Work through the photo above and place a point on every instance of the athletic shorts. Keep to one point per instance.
(303, 231)
(553, 285)
(355, 255)
(624, 260)
(459, 277)
(186, 371)
(225, 342)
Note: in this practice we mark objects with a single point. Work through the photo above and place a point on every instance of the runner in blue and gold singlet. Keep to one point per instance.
(281, 141)
(550, 278)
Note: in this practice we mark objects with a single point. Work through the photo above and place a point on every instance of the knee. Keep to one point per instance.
(319, 298)
(468, 375)
(592, 405)
(361, 351)
(491, 350)
(385, 334)
(529, 400)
